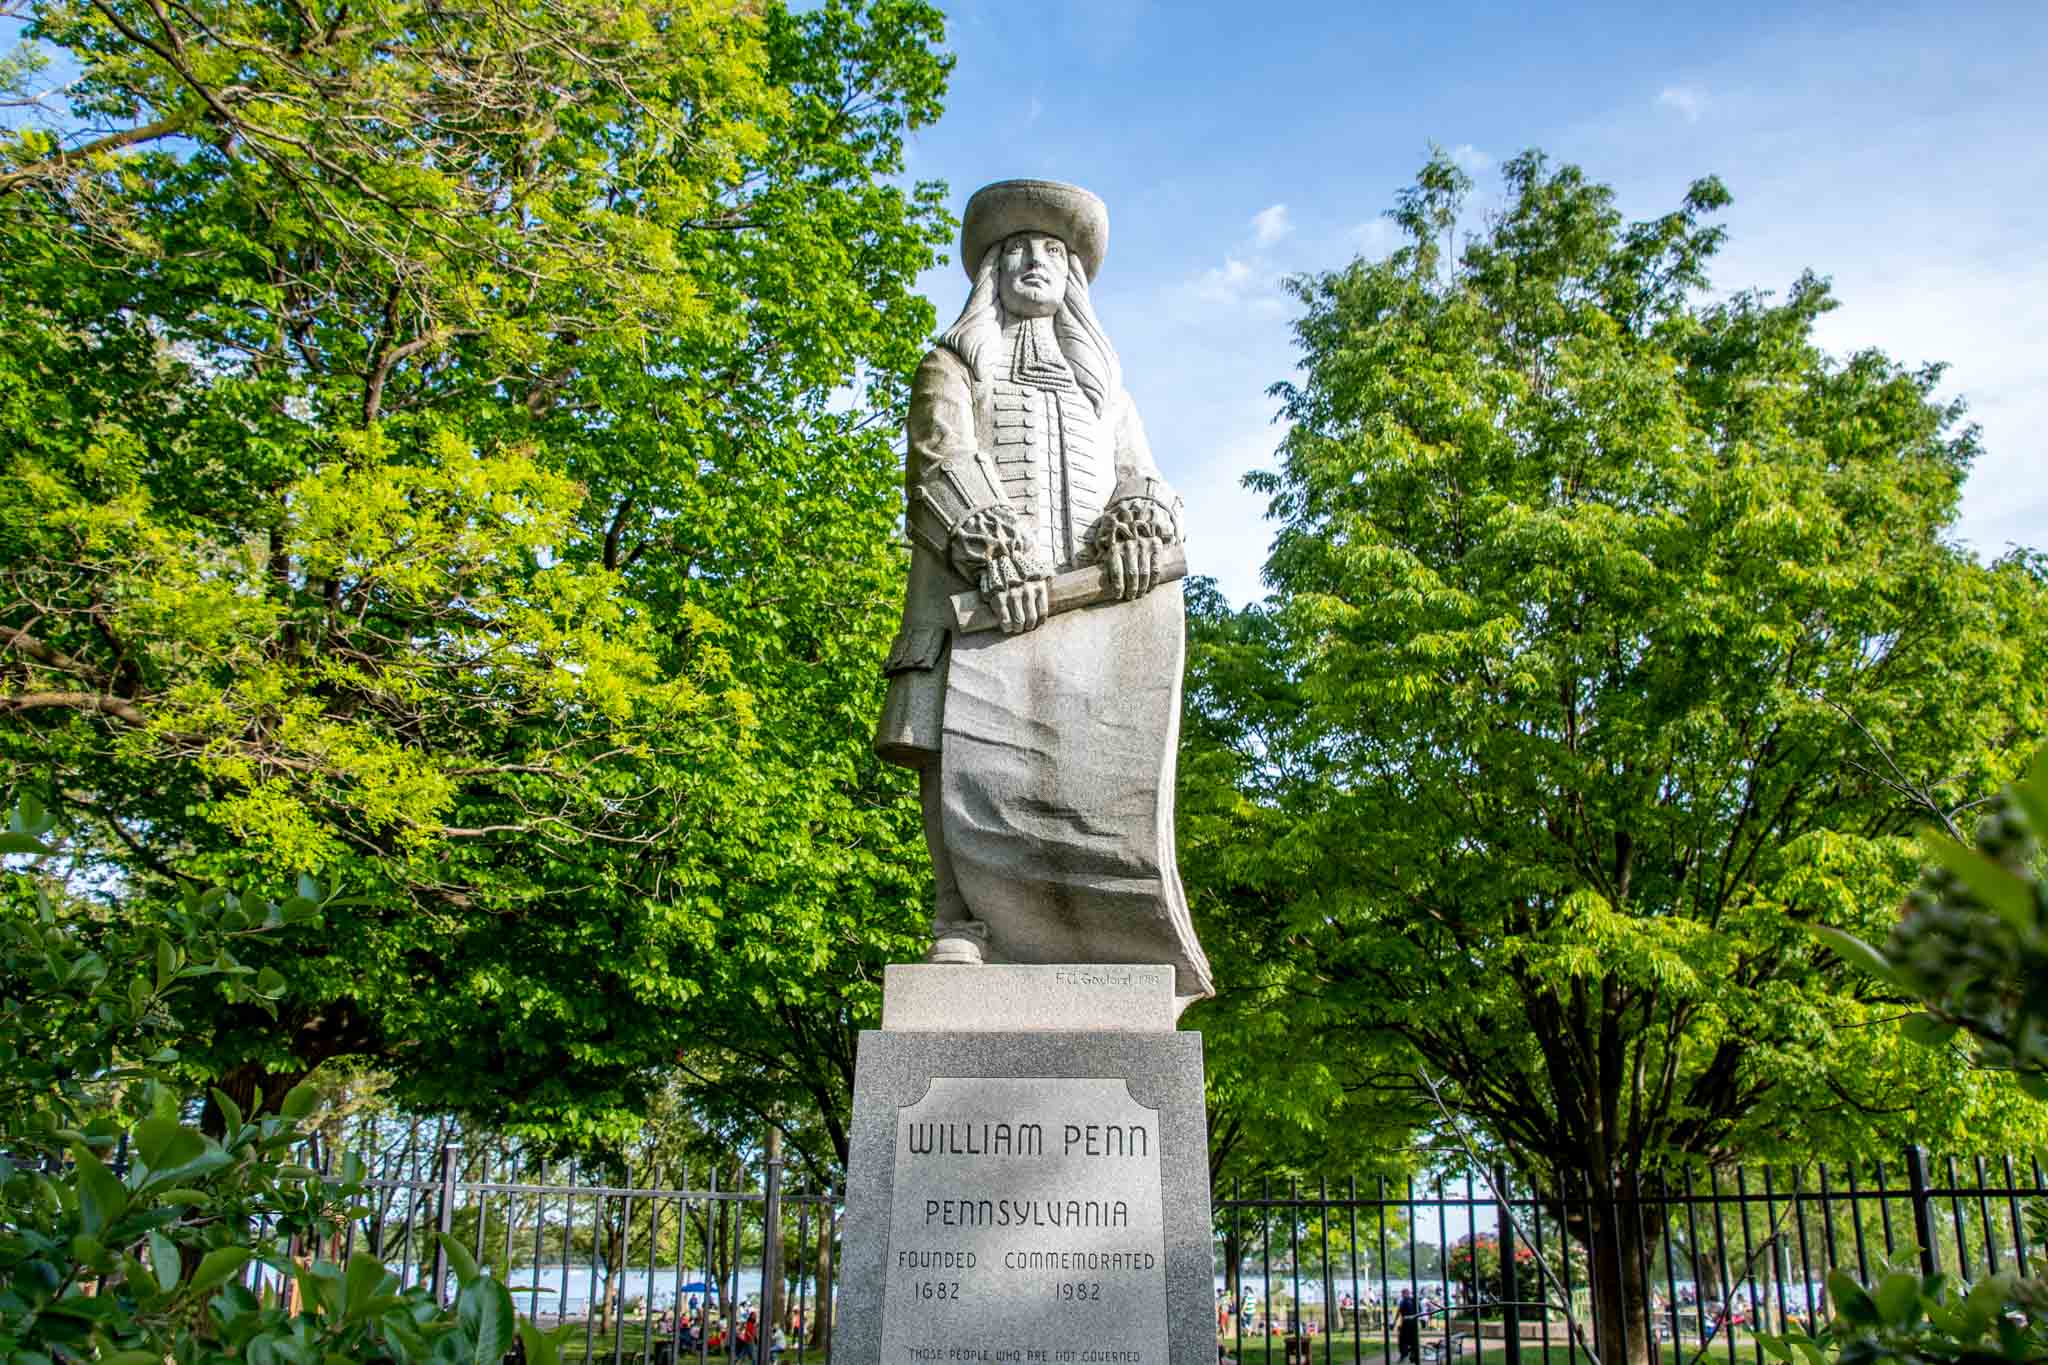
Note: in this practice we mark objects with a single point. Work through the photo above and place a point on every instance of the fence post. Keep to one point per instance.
(771, 1246)
(826, 1303)
(1923, 1209)
(444, 1220)
(1510, 1291)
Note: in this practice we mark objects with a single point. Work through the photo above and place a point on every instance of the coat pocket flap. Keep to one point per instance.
(916, 650)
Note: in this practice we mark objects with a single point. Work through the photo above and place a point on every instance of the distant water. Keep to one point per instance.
(551, 1289)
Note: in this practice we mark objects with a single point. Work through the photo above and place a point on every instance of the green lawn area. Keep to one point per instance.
(632, 1340)
(601, 1344)
(1270, 1351)
(1369, 1352)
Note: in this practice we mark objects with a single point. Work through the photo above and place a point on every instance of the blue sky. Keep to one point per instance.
(1897, 148)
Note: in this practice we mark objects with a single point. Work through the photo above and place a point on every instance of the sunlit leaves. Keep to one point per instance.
(442, 469)
(1623, 637)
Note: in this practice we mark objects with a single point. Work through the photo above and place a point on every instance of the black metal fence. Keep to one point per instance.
(1500, 1273)
(673, 1270)
(664, 1271)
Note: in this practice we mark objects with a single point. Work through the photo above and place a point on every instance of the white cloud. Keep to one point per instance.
(1269, 225)
(1471, 158)
(1689, 102)
(1031, 113)
(1375, 237)
(1226, 283)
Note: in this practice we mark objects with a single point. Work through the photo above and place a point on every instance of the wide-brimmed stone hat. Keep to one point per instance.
(1068, 212)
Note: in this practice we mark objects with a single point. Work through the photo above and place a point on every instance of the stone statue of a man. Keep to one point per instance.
(1045, 750)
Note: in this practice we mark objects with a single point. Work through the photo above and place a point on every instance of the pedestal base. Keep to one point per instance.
(1030, 1198)
(1011, 998)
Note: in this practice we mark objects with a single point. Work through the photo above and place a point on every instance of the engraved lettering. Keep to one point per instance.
(975, 1139)
(1003, 1213)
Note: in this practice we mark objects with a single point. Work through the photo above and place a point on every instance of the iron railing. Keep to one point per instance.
(661, 1272)
(1320, 1266)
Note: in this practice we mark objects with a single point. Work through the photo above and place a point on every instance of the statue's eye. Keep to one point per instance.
(1055, 248)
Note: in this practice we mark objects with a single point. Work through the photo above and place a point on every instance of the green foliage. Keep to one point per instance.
(1972, 944)
(93, 1002)
(126, 1233)
(1292, 1083)
(1972, 941)
(472, 480)
(168, 1249)
(1474, 1262)
(1617, 635)
(1595, 603)
(1907, 1319)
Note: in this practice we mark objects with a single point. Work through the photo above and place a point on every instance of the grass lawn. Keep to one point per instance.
(601, 1344)
(632, 1341)
(1272, 1351)
(1370, 1353)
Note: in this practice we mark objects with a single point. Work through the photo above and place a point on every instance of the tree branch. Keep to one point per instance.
(62, 163)
(76, 701)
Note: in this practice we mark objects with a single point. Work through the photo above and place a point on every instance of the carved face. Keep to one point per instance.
(1031, 274)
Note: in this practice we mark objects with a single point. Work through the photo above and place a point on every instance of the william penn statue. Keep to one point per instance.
(1045, 748)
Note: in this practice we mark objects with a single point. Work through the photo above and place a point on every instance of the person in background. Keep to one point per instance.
(1407, 1329)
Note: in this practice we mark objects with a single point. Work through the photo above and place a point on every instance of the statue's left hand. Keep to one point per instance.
(1129, 539)
(1133, 566)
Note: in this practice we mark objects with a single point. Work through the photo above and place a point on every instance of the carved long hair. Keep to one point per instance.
(976, 335)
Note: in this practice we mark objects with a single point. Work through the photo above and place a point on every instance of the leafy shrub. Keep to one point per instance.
(1910, 1319)
(128, 1235)
(1972, 945)
(1971, 942)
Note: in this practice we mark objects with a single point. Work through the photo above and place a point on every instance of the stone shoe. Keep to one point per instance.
(958, 949)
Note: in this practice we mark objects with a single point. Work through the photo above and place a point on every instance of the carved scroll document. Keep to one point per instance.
(1082, 587)
(1057, 787)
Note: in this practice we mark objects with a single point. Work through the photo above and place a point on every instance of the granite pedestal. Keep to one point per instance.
(1028, 1179)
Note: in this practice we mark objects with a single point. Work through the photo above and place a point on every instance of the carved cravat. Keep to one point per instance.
(1048, 447)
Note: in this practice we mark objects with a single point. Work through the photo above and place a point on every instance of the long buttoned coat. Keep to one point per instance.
(953, 415)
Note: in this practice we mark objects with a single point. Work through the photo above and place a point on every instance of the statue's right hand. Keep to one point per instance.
(1017, 592)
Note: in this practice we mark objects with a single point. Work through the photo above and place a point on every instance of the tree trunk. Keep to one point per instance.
(821, 1320)
(724, 1268)
(1618, 1258)
(614, 1258)
(246, 1085)
(1233, 1269)
(1706, 1274)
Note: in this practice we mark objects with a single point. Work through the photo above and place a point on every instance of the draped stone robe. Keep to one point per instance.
(1047, 758)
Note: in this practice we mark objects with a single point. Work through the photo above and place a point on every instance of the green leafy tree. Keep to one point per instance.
(1609, 609)
(1294, 1089)
(450, 452)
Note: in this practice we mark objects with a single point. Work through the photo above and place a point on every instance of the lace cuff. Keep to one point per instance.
(1145, 514)
(990, 543)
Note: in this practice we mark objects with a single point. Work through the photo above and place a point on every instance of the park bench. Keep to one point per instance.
(1436, 1348)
